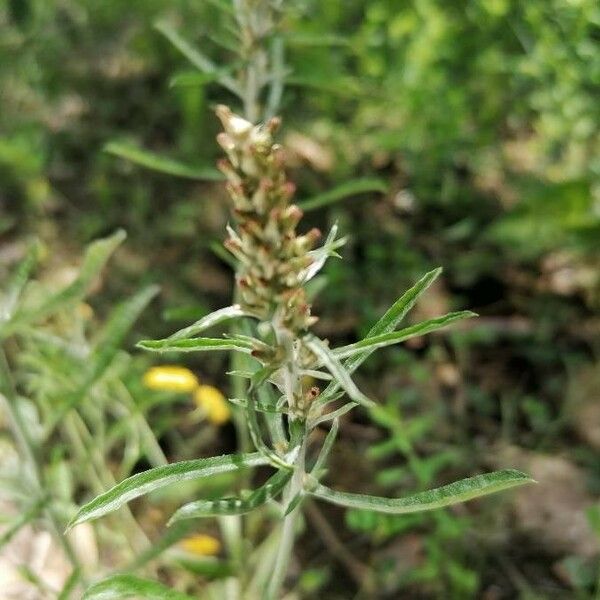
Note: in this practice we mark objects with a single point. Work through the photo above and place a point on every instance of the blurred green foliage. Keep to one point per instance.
(482, 118)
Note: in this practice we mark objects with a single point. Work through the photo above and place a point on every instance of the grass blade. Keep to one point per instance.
(453, 493)
(153, 479)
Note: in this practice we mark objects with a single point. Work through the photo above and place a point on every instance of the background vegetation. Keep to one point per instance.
(474, 126)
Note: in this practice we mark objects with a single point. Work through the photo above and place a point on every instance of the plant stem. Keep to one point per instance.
(288, 528)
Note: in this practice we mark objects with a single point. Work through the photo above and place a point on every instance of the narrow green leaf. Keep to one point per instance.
(162, 164)
(118, 325)
(291, 507)
(326, 448)
(316, 39)
(17, 282)
(196, 57)
(96, 256)
(256, 435)
(396, 313)
(386, 324)
(194, 345)
(219, 251)
(335, 367)
(459, 491)
(395, 337)
(70, 585)
(333, 415)
(214, 318)
(259, 407)
(346, 189)
(119, 587)
(192, 79)
(153, 479)
(234, 506)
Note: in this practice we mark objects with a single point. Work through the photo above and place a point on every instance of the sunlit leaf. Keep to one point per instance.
(153, 479)
(119, 587)
(162, 164)
(344, 190)
(453, 493)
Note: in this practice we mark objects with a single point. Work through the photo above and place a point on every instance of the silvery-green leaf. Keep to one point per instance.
(234, 506)
(320, 255)
(259, 406)
(214, 318)
(453, 493)
(153, 479)
(395, 337)
(396, 313)
(326, 448)
(335, 367)
(386, 324)
(257, 438)
(333, 415)
(194, 345)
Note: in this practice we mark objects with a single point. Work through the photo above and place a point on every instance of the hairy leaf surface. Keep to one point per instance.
(453, 493)
(234, 506)
(153, 479)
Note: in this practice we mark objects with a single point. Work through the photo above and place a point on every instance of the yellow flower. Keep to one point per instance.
(201, 544)
(213, 403)
(170, 378)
